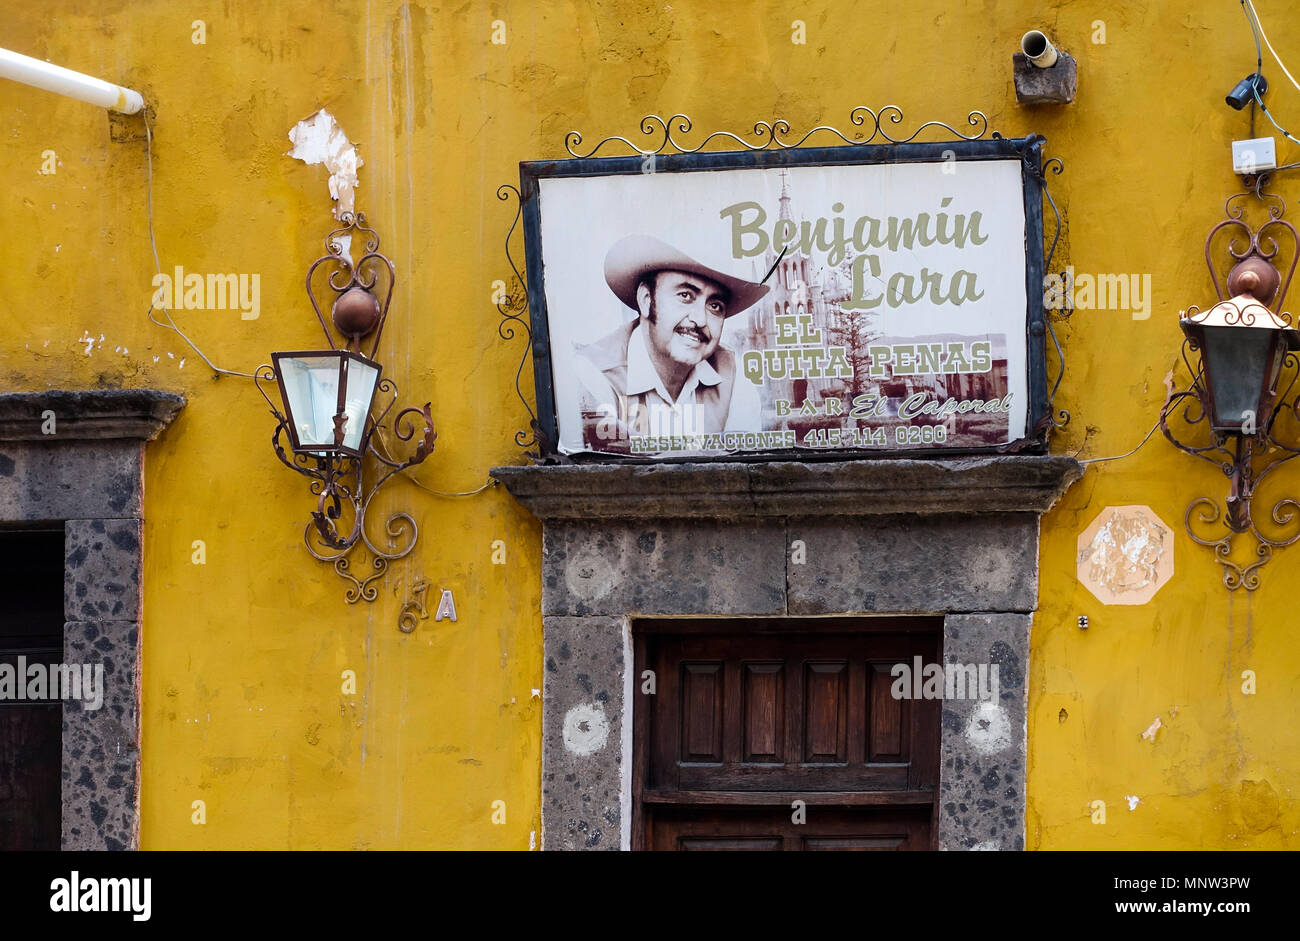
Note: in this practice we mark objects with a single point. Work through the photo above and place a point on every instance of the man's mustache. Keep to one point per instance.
(691, 330)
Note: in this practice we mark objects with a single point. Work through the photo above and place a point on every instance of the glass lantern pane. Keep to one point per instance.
(1237, 359)
(361, 380)
(311, 384)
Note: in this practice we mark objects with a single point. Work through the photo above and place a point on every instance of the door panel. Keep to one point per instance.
(701, 712)
(30, 769)
(825, 710)
(887, 735)
(764, 698)
(771, 828)
(31, 731)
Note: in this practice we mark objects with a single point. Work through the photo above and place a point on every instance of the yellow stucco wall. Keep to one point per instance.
(242, 656)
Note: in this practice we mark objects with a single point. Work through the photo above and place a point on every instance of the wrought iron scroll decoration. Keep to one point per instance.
(1250, 458)
(513, 308)
(340, 482)
(1055, 166)
(770, 134)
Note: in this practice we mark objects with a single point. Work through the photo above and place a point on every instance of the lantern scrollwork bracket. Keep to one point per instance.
(1239, 410)
(328, 431)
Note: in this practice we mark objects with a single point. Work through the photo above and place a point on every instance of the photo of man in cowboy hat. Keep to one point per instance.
(666, 373)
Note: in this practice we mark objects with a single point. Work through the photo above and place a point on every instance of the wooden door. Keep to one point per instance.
(31, 733)
(750, 717)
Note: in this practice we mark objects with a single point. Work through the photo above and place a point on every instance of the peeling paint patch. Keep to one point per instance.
(91, 342)
(1260, 805)
(319, 139)
(988, 729)
(1152, 729)
(590, 577)
(585, 729)
(1125, 555)
(1133, 801)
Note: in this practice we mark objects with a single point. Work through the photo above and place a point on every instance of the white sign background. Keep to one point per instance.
(582, 217)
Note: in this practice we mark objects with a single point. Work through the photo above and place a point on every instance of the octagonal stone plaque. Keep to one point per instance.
(1125, 555)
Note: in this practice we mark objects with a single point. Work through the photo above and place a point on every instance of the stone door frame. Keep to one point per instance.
(957, 538)
(76, 458)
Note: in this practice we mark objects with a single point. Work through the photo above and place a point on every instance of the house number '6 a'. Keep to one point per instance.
(414, 611)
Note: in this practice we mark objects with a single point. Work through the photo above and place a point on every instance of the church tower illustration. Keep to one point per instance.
(801, 285)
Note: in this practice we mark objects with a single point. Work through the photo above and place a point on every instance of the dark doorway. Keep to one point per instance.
(31, 733)
(750, 717)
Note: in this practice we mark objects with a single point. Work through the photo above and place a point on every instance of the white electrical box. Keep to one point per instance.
(1253, 156)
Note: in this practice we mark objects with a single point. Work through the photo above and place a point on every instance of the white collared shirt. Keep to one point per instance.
(668, 417)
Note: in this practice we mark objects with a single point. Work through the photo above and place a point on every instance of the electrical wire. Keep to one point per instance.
(492, 482)
(1264, 36)
(383, 448)
(1102, 460)
(1256, 30)
(170, 324)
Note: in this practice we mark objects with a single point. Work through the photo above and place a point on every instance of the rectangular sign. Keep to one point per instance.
(759, 310)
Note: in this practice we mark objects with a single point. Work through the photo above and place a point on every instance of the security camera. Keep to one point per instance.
(1244, 91)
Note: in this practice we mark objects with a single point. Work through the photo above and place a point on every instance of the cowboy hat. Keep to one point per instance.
(632, 258)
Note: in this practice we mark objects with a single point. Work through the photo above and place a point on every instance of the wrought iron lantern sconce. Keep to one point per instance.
(1247, 351)
(328, 397)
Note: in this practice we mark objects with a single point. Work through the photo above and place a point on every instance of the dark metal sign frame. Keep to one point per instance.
(1028, 150)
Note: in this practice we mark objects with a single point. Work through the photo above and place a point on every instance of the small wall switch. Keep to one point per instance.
(1254, 155)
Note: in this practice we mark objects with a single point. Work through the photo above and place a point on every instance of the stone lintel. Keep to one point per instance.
(782, 489)
(87, 415)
